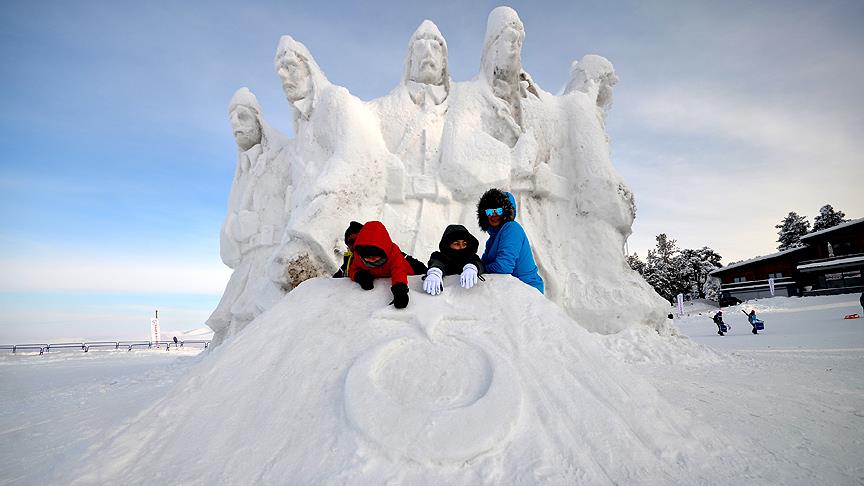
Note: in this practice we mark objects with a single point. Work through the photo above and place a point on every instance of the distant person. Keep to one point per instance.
(377, 256)
(351, 236)
(457, 254)
(508, 250)
(175, 340)
(754, 321)
(722, 328)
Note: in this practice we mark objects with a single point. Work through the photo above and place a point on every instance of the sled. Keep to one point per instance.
(852, 316)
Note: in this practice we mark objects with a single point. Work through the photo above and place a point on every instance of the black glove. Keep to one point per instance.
(363, 278)
(400, 295)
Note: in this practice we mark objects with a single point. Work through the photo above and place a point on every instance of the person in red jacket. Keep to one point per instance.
(378, 256)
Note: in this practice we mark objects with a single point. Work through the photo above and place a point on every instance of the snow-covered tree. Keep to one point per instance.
(671, 271)
(792, 228)
(695, 265)
(828, 218)
(636, 264)
(660, 271)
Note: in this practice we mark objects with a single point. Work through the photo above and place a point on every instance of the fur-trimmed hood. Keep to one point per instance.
(495, 198)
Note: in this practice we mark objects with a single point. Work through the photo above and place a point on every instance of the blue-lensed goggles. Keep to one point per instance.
(498, 211)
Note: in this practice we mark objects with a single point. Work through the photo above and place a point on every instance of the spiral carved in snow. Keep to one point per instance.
(408, 395)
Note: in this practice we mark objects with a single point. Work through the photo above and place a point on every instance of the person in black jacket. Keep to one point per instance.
(457, 254)
(351, 235)
(721, 326)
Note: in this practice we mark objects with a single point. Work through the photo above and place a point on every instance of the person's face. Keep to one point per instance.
(494, 220)
(427, 62)
(294, 73)
(350, 240)
(247, 130)
(459, 245)
(507, 51)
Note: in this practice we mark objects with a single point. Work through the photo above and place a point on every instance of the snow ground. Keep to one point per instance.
(787, 404)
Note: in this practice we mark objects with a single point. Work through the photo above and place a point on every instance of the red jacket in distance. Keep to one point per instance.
(396, 267)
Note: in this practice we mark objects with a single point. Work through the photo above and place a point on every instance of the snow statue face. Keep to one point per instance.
(427, 61)
(247, 129)
(502, 46)
(595, 76)
(506, 53)
(294, 73)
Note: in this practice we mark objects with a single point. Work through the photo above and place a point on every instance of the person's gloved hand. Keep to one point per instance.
(400, 295)
(433, 285)
(469, 276)
(364, 278)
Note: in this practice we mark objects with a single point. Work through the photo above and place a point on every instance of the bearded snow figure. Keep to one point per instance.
(338, 161)
(256, 214)
(596, 286)
(490, 138)
(412, 118)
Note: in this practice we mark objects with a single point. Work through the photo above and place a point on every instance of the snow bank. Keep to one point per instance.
(493, 384)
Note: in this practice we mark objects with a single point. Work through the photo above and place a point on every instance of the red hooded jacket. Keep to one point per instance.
(375, 234)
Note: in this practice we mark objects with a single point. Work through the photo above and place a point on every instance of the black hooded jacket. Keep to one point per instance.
(451, 261)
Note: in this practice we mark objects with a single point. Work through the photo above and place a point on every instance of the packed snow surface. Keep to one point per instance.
(493, 385)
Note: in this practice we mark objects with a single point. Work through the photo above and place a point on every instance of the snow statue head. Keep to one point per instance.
(502, 48)
(301, 77)
(426, 62)
(244, 113)
(595, 76)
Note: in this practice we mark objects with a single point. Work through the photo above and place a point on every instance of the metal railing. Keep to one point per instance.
(86, 346)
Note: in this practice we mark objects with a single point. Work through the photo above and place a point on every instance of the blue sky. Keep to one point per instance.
(117, 153)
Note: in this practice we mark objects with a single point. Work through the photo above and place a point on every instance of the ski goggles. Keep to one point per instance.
(498, 211)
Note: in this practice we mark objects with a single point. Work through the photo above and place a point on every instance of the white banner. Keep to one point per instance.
(771, 285)
(154, 329)
(680, 299)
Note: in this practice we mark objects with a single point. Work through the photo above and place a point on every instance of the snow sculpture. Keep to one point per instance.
(492, 385)
(597, 286)
(412, 118)
(338, 159)
(486, 141)
(255, 218)
(420, 157)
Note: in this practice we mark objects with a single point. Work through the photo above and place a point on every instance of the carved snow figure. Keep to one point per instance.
(609, 296)
(256, 215)
(486, 138)
(610, 198)
(335, 138)
(411, 119)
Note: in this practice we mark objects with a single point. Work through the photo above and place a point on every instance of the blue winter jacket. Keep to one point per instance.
(509, 251)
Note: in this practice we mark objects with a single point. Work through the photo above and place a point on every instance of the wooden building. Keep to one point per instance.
(830, 261)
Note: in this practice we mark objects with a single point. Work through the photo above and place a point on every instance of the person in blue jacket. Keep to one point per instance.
(507, 250)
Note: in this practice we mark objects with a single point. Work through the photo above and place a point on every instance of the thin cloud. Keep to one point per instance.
(120, 275)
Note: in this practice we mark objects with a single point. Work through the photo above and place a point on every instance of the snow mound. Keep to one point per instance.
(490, 385)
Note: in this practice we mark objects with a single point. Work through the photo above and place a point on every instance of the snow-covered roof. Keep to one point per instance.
(756, 259)
(831, 263)
(833, 228)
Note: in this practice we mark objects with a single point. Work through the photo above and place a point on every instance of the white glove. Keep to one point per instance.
(469, 276)
(433, 285)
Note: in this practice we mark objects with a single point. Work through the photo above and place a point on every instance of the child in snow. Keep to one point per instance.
(722, 328)
(457, 253)
(351, 236)
(507, 250)
(378, 256)
(754, 321)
